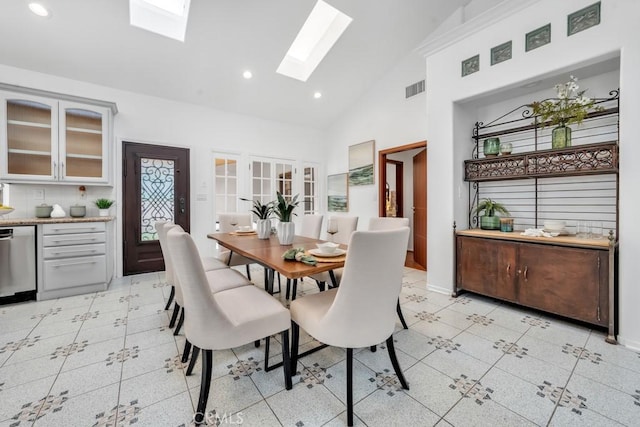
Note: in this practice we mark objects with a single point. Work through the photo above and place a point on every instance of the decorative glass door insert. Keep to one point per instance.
(157, 195)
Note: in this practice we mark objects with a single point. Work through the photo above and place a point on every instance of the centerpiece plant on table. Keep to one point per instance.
(571, 106)
(263, 212)
(283, 209)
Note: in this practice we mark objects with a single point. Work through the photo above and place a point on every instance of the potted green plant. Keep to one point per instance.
(263, 213)
(103, 206)
(489, 221)
(283, 209)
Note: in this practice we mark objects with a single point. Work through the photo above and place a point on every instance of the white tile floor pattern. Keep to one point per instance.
(109, 359)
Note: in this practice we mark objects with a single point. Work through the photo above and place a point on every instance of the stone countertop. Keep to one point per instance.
(66, 219)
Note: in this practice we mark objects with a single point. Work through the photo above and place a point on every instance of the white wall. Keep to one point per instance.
(449, 124)
(384, 115)
(159, 121)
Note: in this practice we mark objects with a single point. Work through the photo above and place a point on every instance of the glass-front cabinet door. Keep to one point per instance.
(44, 139)
(83, 143)
(28, 138)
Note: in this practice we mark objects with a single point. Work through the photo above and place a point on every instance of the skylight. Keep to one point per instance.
(164, 17)
(320, 32)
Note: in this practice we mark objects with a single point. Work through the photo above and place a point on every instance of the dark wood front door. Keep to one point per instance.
(155, 187)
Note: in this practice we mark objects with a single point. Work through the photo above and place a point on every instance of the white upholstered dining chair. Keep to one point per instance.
(346, 226)
(209, 263)
(227, 223)
(391, 223)
(311, 226)
(361, 311)
(226, 319)
(219, 279)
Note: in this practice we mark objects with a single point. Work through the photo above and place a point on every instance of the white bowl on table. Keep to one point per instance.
(554, 226)
(327, 247)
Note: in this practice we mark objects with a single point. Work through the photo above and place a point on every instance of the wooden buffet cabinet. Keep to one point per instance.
(562, 275)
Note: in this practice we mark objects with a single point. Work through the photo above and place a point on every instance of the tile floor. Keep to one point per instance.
(109, 359)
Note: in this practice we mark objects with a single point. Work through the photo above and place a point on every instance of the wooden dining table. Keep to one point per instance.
(268, 253)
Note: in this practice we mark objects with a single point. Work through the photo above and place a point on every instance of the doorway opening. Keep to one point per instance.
(402, 192)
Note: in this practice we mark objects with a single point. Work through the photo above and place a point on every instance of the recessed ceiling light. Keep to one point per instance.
(39, 9)
(247, 74)
(317, 95)
(320, 32)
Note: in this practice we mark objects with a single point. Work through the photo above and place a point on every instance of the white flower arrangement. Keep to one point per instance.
(571, 105)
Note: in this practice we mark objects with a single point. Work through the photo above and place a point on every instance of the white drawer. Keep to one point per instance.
(74, 251)
(73, 239)
(73, 227)
(71, 272)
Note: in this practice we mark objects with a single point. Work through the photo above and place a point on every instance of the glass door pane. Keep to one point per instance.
(310, 192)
(29, 135)
(83, 143)
(157, 177)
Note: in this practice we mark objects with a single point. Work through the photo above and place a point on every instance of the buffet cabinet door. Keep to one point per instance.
(487, 267)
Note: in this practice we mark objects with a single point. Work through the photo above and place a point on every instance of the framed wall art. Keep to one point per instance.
(338, 193)
(361, 158)
(538, 37)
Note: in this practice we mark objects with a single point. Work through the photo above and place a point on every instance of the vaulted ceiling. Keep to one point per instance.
(92, 41)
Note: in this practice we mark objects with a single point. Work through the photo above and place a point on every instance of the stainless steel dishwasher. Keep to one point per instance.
(17, 264)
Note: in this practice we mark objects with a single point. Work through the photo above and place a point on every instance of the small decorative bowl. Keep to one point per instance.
(327, 247)
(6, 211)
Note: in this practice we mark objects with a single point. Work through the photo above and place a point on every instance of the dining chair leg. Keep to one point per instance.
(205, 383)
(186, 351)
(286, 362)
(174, 316)
(267, 341)
(295, 336)
(288, 293)
(334, 281)
(176, 331)
(399, 310)
(248, 272)
(256, 343)
(373, 348)
(194, 359)
(321, 285)
(171, 295)
(294, 290)
(266, 279)
(349, 386)
(396, 365)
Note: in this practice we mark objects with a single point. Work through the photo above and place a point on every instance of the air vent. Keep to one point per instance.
(414, 89)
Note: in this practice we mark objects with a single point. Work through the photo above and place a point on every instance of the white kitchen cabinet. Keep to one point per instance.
(54, 140)
(74, 258)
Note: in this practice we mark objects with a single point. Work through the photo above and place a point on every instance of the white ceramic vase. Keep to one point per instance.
(286, 232)
(263, 228)
(103, 212)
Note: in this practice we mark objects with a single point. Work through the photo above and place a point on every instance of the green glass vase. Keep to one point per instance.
(561, 136)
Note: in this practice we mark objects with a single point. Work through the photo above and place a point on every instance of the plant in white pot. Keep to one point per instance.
(489, 221)
(283, 209)
(263, 211)
(103, 206)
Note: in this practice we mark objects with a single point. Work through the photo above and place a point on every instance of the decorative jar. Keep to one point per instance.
(491, 147)
(263, 228)
(561, 136)
(286, 232)
(506, 148)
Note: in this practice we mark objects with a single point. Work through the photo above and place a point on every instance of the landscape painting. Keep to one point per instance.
(361, 157)
(337, 193)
